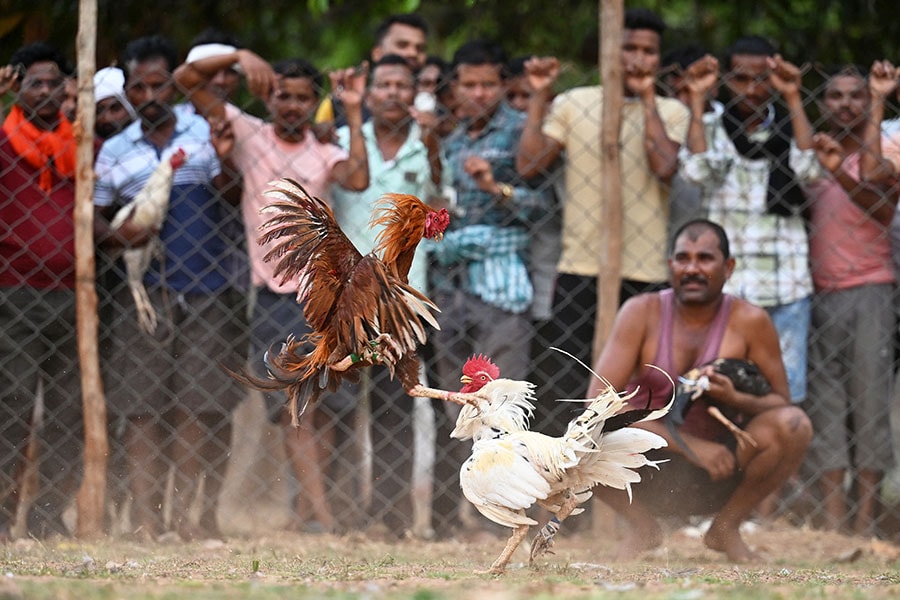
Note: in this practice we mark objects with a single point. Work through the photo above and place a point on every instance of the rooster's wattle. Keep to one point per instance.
(361, 309)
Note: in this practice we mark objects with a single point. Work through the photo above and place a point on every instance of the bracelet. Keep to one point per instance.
(506, 191)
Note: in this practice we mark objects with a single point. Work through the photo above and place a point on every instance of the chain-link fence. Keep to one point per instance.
(194, 453)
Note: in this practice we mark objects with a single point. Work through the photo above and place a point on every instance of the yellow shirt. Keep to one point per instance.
(574, 121)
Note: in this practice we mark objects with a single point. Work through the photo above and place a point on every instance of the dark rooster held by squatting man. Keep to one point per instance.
(360, 308)
(745, 376)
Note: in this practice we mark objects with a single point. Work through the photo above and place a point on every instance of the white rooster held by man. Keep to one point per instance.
(511, 468)
(148, 209)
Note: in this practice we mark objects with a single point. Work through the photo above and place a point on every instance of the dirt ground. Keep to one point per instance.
(798, 563)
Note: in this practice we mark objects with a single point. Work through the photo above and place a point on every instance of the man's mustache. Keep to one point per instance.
(693, 279)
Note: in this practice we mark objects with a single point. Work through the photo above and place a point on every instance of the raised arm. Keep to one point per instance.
(229, 181)
(538, 151)
(428, 123)
(874, 198)
(349, 86)
(873, 166)
(787, 79)
(701, 77)
(661, 150)
(193, 78)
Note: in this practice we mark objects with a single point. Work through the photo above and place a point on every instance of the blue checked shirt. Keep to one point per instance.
(486, 248)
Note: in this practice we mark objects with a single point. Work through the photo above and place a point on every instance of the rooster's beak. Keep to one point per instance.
(465, 379)
(439, 237)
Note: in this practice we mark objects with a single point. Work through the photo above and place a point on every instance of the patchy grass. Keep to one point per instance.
(801, 564)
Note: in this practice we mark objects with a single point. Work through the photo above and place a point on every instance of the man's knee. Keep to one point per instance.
(793, 427)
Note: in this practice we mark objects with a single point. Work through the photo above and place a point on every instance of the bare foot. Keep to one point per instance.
(729, 541)
(638, 540)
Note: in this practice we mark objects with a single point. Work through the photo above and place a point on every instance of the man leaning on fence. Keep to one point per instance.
(168, 383)
(652, 130)
(37, 298)
(750, 164)
(853, 322)
(286, 147)
(404, 157)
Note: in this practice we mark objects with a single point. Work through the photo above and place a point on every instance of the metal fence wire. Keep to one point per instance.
(370, 457)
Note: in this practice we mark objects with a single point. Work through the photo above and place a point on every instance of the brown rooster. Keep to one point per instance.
(361, 309)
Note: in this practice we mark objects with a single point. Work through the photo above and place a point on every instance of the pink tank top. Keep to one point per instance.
(653, 386)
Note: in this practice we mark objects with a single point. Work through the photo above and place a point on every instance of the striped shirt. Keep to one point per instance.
(191, 234)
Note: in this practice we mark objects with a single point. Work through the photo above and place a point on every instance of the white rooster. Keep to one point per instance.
(511, 468)
(148, 209)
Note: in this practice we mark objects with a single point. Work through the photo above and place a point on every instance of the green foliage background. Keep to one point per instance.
(335, 33)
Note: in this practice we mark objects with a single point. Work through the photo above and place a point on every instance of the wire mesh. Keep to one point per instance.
(371, 457)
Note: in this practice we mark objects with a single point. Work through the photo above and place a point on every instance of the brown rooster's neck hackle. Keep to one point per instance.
(402, 218)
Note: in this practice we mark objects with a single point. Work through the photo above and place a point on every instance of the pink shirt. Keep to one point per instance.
(847, 247)
(262, 157)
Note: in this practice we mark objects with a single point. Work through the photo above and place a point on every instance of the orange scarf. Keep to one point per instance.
(43, 150)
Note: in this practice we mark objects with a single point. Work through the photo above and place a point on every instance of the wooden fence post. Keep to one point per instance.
(609, 272)
(91, 496)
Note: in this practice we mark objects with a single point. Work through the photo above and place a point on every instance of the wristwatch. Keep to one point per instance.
(506, 191)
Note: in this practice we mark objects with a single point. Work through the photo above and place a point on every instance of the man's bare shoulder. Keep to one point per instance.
(749, 317)
(639, 314)
(641, 306)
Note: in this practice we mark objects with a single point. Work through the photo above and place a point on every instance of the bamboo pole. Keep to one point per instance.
(609, 275)
(91, 496)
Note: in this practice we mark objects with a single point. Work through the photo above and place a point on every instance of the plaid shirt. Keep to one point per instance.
(492, 259)
(771, 251)
(487, 247)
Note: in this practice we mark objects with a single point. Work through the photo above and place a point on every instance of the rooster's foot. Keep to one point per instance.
(543, 541)
(384, 349)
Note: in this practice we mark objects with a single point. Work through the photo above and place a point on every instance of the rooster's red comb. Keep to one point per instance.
(479, 363)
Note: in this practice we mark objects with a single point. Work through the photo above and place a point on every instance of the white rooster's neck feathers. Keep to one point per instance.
(509, 408)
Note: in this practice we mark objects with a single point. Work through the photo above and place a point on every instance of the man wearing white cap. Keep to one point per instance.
(225, 82)
(114, 112)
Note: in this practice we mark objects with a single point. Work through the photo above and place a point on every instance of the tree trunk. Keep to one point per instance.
(91, 496)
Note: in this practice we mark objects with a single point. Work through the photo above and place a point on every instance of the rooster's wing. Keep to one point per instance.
(309, 248)
(374, 302)
(501, 482)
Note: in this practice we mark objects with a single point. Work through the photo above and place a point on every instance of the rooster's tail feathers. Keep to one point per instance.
(620, 454)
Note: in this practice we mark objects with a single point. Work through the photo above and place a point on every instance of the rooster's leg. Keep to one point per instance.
(743, 438)
(382, 350)
(145, 312)
(543, 541)
(385, 349)
(420, 391)
(515, 539)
